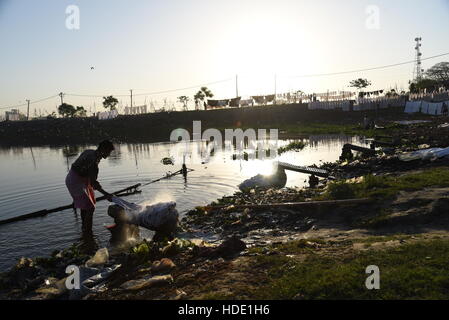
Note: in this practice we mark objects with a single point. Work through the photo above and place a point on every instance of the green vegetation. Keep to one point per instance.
(411, 271)
(297, 145)
(201, 95)
(110, 103)
(383, 187)
(69, 111)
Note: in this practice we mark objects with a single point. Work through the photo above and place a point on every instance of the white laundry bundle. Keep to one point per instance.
(152, 217)
(425, 154)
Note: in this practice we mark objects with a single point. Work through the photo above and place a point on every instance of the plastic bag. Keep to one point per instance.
(425, 154)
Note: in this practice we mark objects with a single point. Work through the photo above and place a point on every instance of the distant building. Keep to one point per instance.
(12, 115)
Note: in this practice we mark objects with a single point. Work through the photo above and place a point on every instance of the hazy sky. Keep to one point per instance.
(152, 46)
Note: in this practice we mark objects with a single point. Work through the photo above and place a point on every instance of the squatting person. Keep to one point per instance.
(81, 181)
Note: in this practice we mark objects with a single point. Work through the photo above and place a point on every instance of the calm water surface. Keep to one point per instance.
(32, 179)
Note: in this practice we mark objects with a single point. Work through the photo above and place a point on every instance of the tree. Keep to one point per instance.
(201, 95)
(184, 100)
(80, 112)
(424, 84)
(52, 115)
(391, 93)
(110, 103)
(66, 110)
(360, 83)
(439, 73)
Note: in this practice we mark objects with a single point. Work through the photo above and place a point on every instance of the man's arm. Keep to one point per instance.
(97, 186)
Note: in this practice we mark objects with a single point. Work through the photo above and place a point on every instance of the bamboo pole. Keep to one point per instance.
(294, 204)
(124, 192)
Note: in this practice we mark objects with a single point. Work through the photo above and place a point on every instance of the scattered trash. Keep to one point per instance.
(100, 258)
(53, 287)
(168, 161)
(163, 266)
(92, 280)
(146, 282)
(227, 249)
(425, 154)
(180, 294)
(407, 122)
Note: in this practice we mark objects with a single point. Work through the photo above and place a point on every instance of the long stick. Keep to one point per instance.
(294, 204)
(42, 213)
(166, 177)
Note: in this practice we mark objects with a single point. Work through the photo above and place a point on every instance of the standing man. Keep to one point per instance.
(81, 181)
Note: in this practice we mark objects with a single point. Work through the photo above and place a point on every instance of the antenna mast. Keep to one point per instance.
(417, 70)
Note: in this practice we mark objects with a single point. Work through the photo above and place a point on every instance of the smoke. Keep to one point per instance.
(161, 196)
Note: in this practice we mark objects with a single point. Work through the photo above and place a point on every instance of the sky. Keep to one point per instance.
(153, 46)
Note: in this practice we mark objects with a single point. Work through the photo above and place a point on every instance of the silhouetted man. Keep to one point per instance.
(81, 181)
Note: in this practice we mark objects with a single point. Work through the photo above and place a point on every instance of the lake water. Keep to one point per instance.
(32, 179)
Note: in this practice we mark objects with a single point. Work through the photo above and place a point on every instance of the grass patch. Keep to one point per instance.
(387, 187)
(412, 271)
(377, 221)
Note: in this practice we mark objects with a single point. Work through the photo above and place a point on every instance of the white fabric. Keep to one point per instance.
(329, 105)
(150, 217)
(156, 215)
(107, 115)
(126, 205)
(425, 154)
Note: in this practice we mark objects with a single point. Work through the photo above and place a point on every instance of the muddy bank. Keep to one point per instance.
(260, 254)
(156, 127)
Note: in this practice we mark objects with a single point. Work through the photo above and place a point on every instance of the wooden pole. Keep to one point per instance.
(124, 192)
(236, 86)
(294, 204)
(28, 110)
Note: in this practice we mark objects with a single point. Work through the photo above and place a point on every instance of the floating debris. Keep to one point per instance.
(168, 161)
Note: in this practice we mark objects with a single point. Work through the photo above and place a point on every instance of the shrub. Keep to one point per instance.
(340, 191)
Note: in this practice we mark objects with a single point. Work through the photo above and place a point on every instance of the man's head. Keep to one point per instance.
(105, 148)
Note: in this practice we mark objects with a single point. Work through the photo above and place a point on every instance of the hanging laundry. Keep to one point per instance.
(107, 115)
(270, 98)
(223, 103)
(425, 107)
(212, 103)
(246, 102)
(235, 102)
(259, 99)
